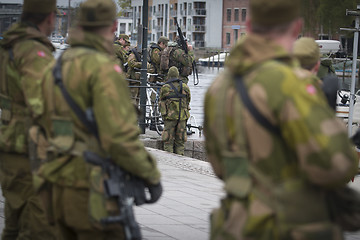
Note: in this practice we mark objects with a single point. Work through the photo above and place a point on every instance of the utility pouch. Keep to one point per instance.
(100, 206)
(38, 146)
(5, 109)
(62, 134)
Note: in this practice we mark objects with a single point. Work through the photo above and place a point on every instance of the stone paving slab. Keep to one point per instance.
(191, 191)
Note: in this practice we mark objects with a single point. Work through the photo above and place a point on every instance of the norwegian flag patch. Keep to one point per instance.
(41, 54)
(117, 68)
(311, 89)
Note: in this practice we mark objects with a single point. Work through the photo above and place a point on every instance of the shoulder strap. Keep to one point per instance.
(248, 103)
(87, 117)
(178, 94)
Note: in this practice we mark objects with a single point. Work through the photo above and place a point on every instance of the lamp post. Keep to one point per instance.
(356, 30)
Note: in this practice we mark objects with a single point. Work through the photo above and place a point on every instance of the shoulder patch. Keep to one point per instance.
(41, 54)
(311, 89)
(117, 68)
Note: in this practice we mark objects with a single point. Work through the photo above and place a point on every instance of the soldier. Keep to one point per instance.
(93, 80)
(155, 56)
(25, 52)
(307, 51)
(174, 108)
(176, 56)
(133, 73)
(123, 40)
(122, 46)
(271, 137)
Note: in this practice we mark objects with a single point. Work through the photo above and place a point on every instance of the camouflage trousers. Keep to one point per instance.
(71, 215)
(24, 214)
(135, 93)
(174, 136)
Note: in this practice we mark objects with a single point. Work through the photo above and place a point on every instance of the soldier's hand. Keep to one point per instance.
(155, 192)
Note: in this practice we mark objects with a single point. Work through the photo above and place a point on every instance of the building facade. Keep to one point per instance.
(233, 21)
(195, 19)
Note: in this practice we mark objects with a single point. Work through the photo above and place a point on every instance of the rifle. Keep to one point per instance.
(185, 48)
(123, 187)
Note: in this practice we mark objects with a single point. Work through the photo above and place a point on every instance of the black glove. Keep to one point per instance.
(155, 192)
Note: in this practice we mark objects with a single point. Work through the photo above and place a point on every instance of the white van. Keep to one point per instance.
(328, 46)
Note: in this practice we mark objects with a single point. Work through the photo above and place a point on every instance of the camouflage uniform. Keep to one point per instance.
(181, 60)
(174, 108)
(134, 74)
(24, 54)
(93, 79)
(263, 171)
(155, 57)
(121, 54)
(326, 68)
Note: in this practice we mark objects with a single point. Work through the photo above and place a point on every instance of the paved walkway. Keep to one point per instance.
(191, 191)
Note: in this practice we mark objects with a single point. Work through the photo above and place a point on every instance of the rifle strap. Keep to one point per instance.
(87, 117)
(249, 104)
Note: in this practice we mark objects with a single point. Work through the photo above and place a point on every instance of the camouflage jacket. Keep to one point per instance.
(313, 145)
(94, 79)
(170, 97)
(24, 54)
(181, 60)
(134, 66)
(154, 60)
(121, 54)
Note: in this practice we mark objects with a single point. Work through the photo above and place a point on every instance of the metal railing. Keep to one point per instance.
(198, 28)
(159, 14)
(198, 12)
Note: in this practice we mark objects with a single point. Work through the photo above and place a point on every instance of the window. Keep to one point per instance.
(227, 38)
(228, 14)
(236, 34)
(190, 7)
(236, 14)
(122, 28)
(243, 14)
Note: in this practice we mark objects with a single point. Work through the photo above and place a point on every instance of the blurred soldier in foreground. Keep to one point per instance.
(155, 57)
(25, 51)
(175, 56)
(307, 51)
(174, 108)
(122, 46)
(271, 137)
(93, 80)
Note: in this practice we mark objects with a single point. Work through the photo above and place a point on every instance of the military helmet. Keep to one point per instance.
(173, 73)
(163, 39)
(124, 36)
(274, 12)
(39, 6)
(307, 51)
(97, 13)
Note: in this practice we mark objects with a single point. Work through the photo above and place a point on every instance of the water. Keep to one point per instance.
(206, 77)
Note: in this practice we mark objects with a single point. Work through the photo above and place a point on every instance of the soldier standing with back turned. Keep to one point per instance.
(25, 52)
(91, 76)
(176, 56)
(174, 107)
(294, 148)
